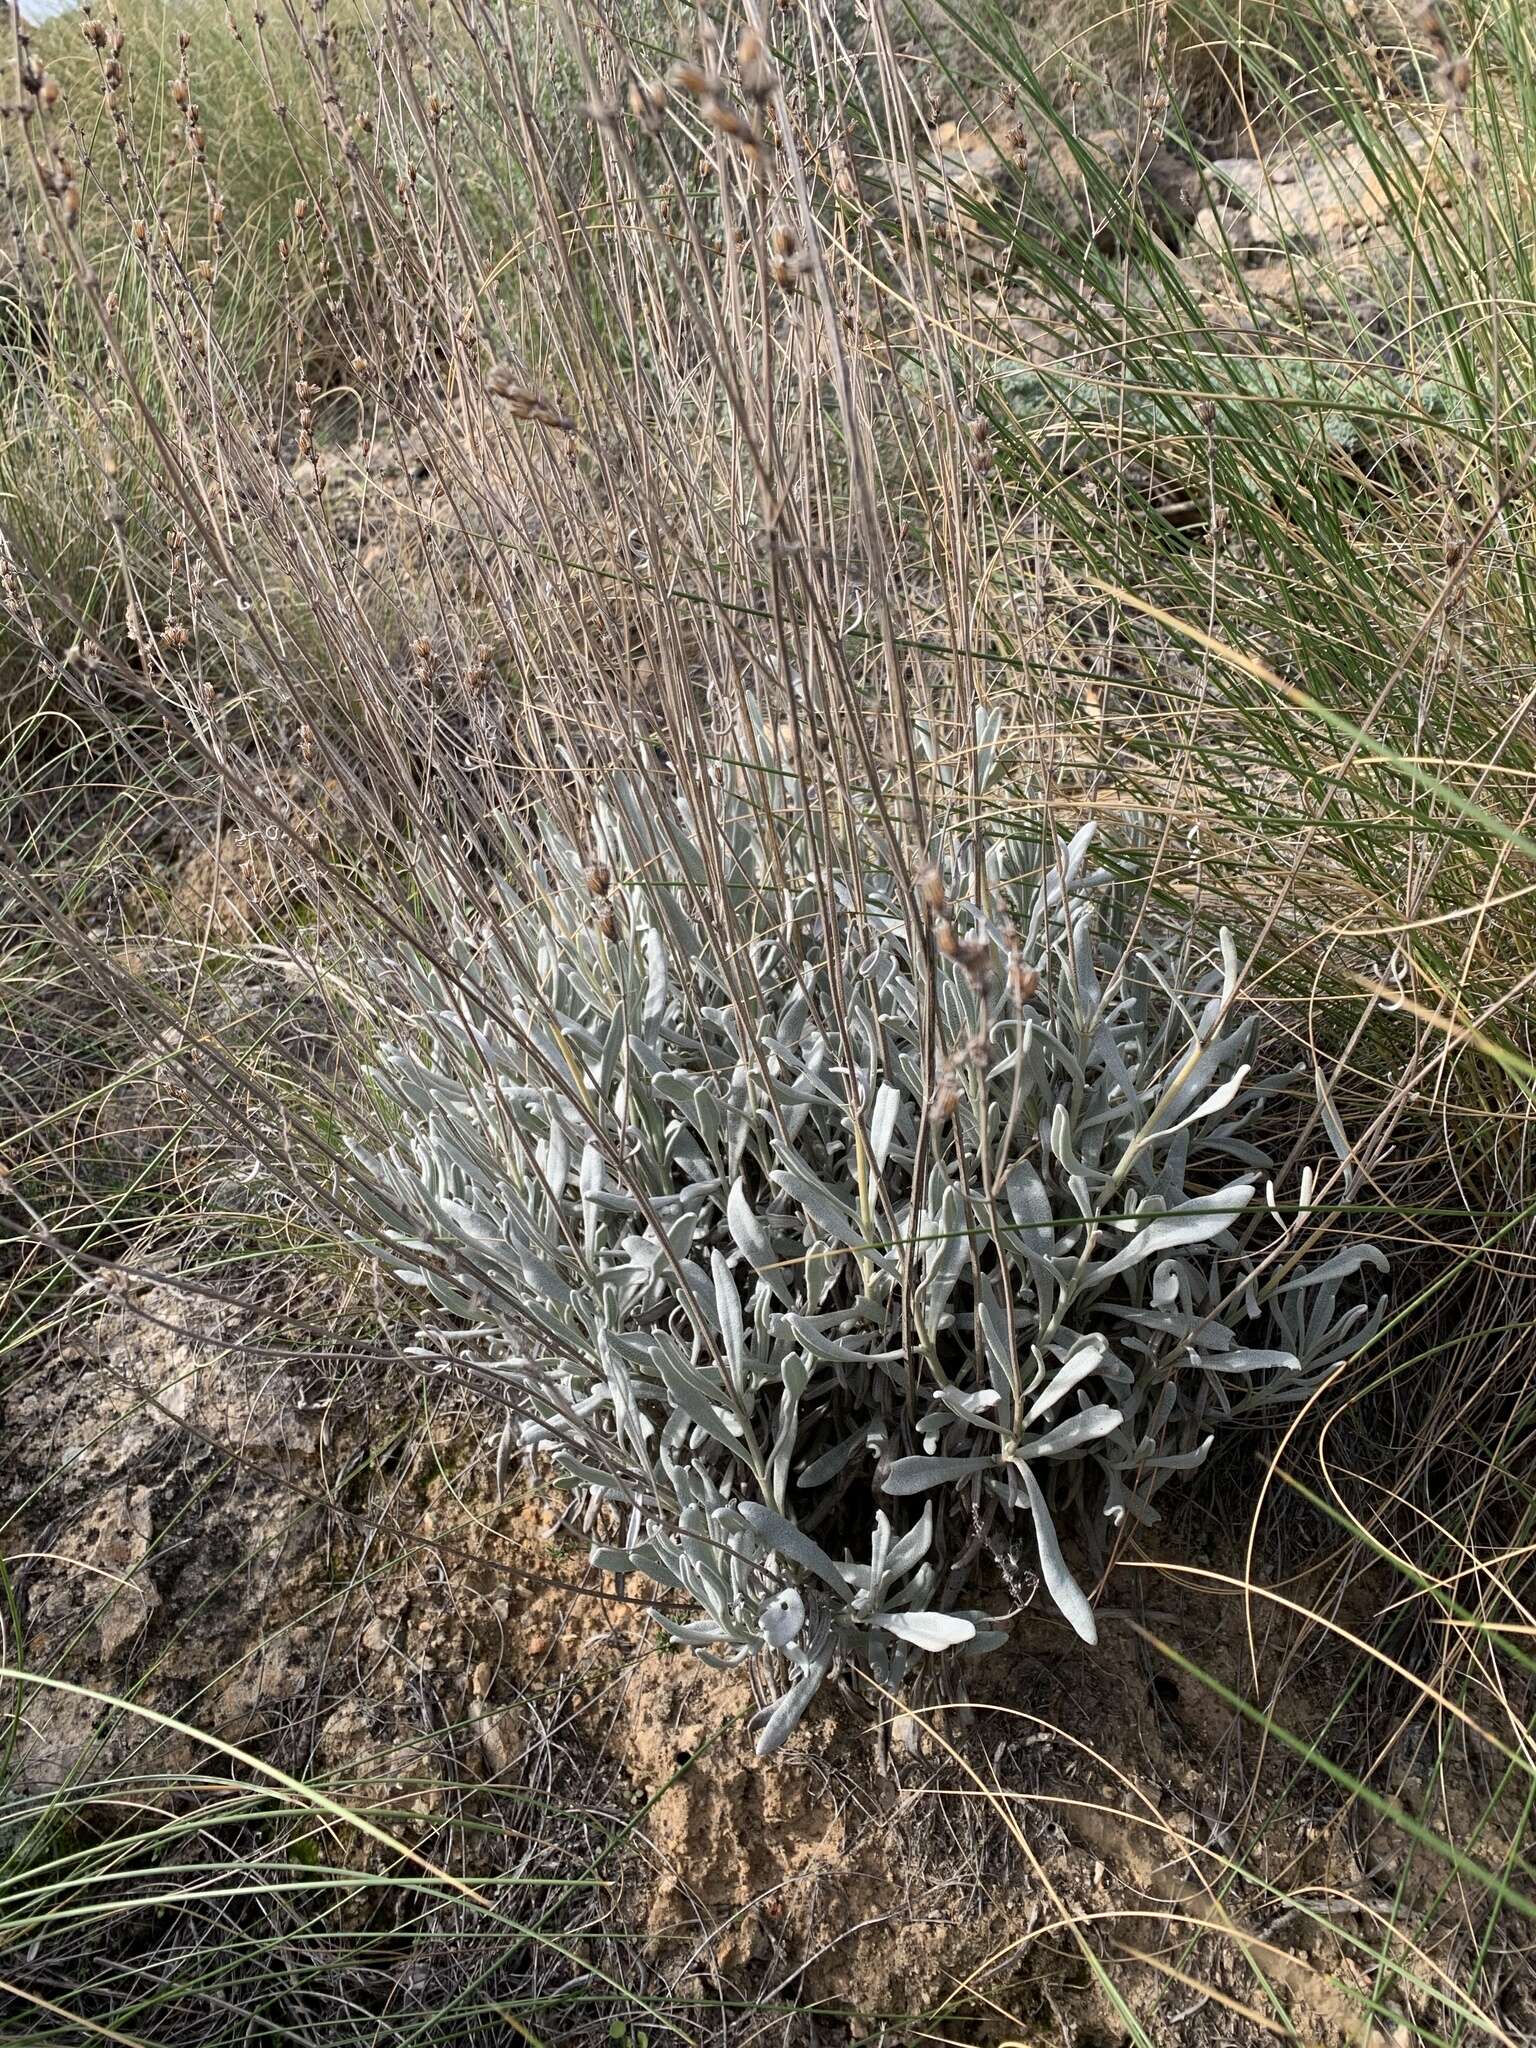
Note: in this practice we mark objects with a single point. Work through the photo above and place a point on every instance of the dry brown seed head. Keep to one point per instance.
(1022, 981)
(525, 404)
(112, 72)
(945, 939)
(946, 1099)
(785, 240)
(930, 889)
(300, 208)
(95, 33)
(726, 121)
(757, 75)
(599, 878)
(648, 104)
(181, 92)
(689, 78)
(605, 921)
(175, 636)
(48, 94)
(975, 958)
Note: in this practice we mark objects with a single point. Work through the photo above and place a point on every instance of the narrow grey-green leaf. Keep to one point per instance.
(882, 1122)
(751, 1236)
(1205, 1217)
(917, 1475)
(728, 1314)
(928, 1631)
(772, 1529)
(1059, 1582)
(1084, 1428)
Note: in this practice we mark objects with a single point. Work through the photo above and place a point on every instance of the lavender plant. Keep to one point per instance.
(833, 1239)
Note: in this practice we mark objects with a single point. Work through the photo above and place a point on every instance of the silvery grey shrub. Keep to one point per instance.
(834, 1239)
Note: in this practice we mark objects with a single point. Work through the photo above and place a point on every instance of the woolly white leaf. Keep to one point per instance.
(1198, 1221)
(1059, 1582)
(917, 1475)
(782, 1619)
(926, 1630)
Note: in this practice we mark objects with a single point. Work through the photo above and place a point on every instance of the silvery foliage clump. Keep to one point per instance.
(829, 1273)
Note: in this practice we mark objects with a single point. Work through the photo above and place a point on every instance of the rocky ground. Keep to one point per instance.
(302, 1558)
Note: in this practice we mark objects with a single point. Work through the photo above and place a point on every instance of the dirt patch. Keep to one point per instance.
(265, 1555)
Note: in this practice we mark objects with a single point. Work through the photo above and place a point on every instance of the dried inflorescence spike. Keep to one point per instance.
(790, 258)
(734, 126)
(1453, 73)
(648, 104)
(758, 78)
(1023, 981)
(524, 403)
(598, 877)
(931, 892)
(690, 78)
(976, 961)
(945, 1100)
